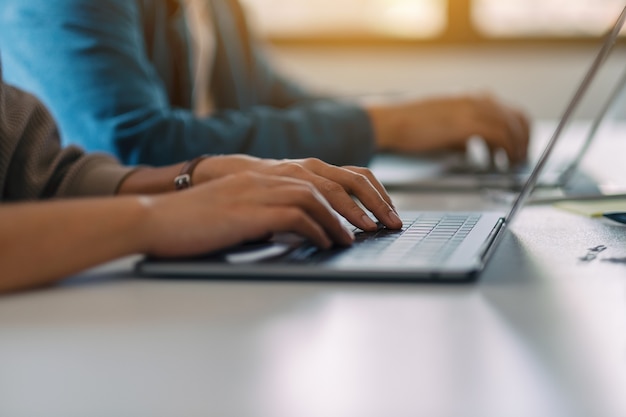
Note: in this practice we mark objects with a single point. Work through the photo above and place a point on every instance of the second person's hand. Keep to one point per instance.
(447, 123)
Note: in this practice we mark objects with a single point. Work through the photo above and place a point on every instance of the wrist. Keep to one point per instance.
(148, 180)
(383, 123)
(144, 233)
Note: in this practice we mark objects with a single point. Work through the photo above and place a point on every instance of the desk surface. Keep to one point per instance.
(542, 333)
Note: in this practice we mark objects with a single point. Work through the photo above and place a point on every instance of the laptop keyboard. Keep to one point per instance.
(428, 239)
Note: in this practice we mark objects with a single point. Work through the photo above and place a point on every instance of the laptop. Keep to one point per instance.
(475, 169)
(447, 246)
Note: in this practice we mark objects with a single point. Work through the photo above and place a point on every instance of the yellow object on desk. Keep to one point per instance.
(595, 207)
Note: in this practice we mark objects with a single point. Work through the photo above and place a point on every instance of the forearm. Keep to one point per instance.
(44, 242)
(338, 133)
(385, 124)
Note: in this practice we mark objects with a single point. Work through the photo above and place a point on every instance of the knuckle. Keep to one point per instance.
(331, 187)
(360, 180)
(292, 168)
(367, 173)
(364, 171)
(313, 162)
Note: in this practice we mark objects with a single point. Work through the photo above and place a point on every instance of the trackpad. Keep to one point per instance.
(257, 253)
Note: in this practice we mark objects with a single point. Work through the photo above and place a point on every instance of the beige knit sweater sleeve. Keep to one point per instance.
(33, 165)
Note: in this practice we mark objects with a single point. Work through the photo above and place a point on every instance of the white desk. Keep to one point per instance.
(542, 333)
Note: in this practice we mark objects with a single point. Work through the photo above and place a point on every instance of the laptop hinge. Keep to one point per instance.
(491, 239)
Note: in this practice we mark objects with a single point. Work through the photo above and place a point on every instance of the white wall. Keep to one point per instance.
(538, 79)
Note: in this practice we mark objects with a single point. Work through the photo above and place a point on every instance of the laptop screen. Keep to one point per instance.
(571, 109)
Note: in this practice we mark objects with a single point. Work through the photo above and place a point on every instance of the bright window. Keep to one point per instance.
(433, 19)
(393, 18)
(529, 18)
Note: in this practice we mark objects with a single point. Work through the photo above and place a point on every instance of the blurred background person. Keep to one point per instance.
(160, 81)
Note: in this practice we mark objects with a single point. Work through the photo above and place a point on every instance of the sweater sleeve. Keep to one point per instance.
(87, 61)
(32, 163)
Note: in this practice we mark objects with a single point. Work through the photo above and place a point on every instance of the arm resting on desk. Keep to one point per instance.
(43, 242)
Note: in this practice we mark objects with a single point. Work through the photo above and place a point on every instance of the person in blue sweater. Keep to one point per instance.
(161, 81)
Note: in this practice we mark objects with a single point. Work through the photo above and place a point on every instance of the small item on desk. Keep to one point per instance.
(610, 208)
(592, 253)
(618, 216)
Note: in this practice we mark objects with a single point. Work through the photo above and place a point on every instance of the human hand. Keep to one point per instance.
(447, 123)
(235, 209)
(333, 182)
